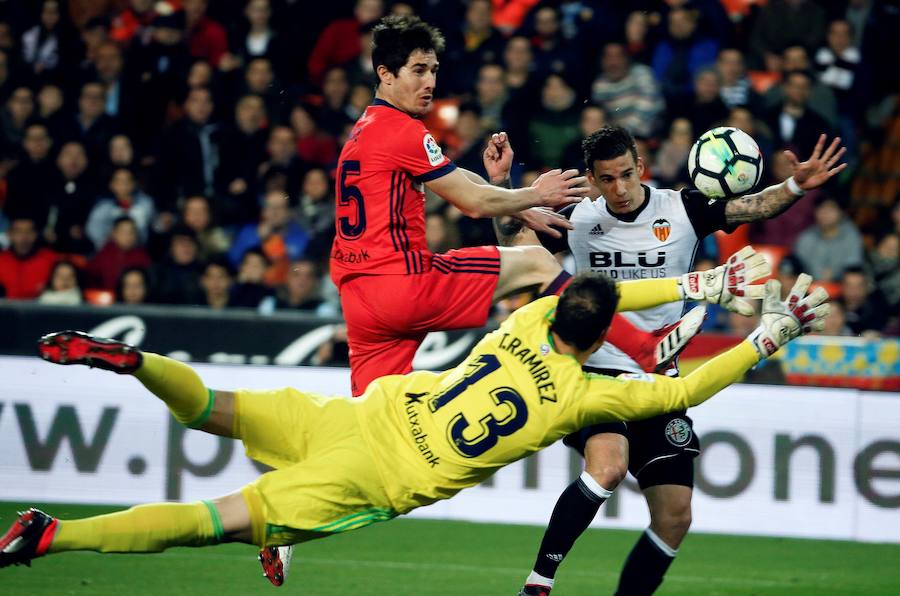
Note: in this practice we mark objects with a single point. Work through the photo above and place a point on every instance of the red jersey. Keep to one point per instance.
(380, 214)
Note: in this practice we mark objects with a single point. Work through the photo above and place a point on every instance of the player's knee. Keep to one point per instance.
(675, 518)
(607, 472)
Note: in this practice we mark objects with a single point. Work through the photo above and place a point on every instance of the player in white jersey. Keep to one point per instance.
(635, 232)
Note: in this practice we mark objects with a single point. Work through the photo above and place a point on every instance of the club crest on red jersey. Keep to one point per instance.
(661, 229)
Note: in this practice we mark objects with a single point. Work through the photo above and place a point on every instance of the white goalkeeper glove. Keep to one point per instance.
(728, 285)
(784, 320)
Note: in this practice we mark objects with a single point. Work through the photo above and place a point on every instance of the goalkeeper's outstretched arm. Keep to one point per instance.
(641, 396)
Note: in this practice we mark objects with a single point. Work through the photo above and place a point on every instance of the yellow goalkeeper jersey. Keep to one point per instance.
(434, 434)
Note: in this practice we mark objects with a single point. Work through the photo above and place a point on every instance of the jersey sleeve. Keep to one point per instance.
(415, 151)
(637, 396)
(706, 215)
(555, 245)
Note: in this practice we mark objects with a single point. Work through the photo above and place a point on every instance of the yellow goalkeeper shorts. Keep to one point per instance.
(325, 479)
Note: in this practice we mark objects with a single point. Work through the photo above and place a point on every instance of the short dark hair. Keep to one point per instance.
(585, 309)
(396, 37)
(609, 142)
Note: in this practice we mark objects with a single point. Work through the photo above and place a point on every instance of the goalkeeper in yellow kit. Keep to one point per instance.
(342, 464)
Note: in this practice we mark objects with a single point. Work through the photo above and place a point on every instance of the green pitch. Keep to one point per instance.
(421, 558)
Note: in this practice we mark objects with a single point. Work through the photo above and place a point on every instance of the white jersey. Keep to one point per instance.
(657, 240)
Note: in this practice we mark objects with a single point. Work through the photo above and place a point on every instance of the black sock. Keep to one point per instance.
(556, 287)
(646, 565)
(574, 511)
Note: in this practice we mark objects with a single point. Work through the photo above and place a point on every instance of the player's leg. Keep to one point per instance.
(148, 528)
(663, 451)
(605, 449)
(174, 382)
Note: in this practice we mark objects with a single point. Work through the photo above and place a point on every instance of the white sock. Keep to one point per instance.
(594, 486)
(661, 544)
(536, 579)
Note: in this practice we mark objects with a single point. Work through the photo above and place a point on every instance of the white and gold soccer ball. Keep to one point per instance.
(724, 163)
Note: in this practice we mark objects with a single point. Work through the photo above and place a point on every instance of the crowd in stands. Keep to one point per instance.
(183, 151)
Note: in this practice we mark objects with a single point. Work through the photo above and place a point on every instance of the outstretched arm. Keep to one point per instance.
(634, 397)
(776, 199)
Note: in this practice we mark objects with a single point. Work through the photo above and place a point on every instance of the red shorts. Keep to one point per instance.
(388, 316)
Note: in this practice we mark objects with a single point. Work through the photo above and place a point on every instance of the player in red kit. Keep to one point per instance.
(393, 289)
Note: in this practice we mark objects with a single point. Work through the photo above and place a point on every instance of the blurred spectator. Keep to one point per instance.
(313, 145)
(133, 286)
(628, 92)
(109, 67)
(301, 291)
(836, 321)
(206, 37)
(866, 309)
(339, 41)
(51, 47)
(15, 117)
(217, 279)
(857, 14)
(256, 38)
(64, 287)
(71, 199)
(465, 142)
(705, 109)
(680, 56)
(334, 114)
(91, 125)
(133, 21)
(793, 122)
(29, 183)
(157, 69)
(316, 212)
(281, 239)
(335, 351)
(249, 290)
(124, 198)
(189, 155)
(523, 91)
(832, 244)
(821, 97)
(736, 88)
(177, 276)
(491, 96)
(670, 167)
(94, 33)
(241, 150)
(552, 53)
(837, 63)
(50, 104)
(196, 214)
(25, 266)
(360, 70)
(555, 124)
(471, 46)
(121, 251)
(781, 23)
(884, 263)
(283, 170)
(592, 119)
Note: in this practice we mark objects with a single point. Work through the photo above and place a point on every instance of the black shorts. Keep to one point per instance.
(661, 450)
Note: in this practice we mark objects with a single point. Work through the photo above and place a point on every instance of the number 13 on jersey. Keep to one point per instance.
(509, 414)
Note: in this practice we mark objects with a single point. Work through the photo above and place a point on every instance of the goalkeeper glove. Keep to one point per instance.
(728, 285)
(783, 321)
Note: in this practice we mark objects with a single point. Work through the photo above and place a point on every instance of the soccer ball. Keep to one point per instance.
(725, 162)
